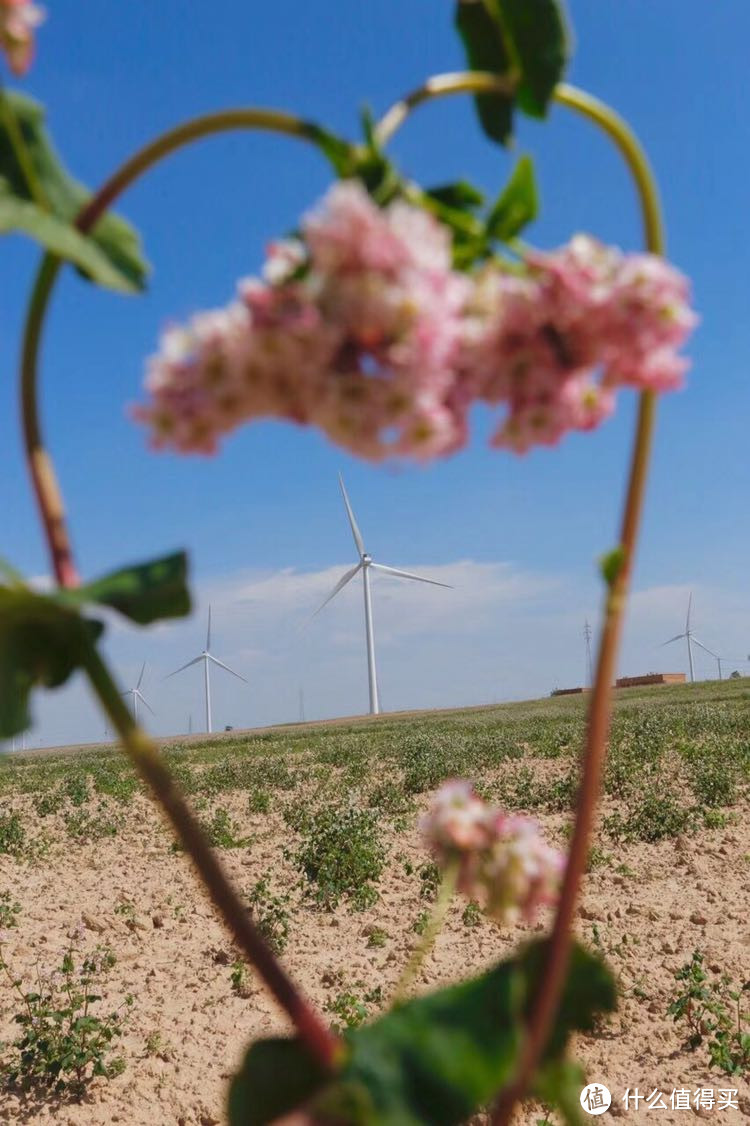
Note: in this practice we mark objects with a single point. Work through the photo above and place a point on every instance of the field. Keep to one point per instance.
(318, 827)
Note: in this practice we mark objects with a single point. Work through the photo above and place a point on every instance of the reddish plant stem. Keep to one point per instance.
(312, 1030)
(145, 757)
(549, 988)
(39, 463)
(546, 998)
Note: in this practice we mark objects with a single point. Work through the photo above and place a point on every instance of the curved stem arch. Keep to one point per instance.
(41, 470)
(545, 1001)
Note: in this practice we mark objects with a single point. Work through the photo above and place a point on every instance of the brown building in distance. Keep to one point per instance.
(651, 678)
(630, 682)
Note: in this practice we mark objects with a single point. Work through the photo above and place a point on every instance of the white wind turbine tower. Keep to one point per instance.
(138, 695)
(208, 658)
(366, 565)
(690, 638)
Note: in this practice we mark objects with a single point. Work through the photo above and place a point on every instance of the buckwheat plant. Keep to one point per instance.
(394, 309)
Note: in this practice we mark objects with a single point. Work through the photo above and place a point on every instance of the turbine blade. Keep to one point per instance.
(226, 668)
(140, 678)
(208, 635)
(194, 661)
(677, 637)
(358, 541)
(143, 700)
(408, 575)
(687, 621)
(702, 646)
(345, 578)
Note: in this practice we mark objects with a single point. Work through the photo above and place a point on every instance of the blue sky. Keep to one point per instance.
(526, 531)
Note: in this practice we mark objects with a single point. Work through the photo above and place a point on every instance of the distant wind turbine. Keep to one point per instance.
(138, 695)
(207, 657)
(366, 565)
(690, 638)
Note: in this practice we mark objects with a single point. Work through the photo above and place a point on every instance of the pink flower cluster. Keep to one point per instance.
(363, 329)
(19, 20)
(502, 859)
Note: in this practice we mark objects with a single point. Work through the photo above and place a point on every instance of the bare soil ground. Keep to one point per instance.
(647, 905)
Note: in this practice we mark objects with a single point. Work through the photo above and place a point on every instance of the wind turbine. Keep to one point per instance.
(208, 658)
(138, 695)
(690, 638)
(366, 565)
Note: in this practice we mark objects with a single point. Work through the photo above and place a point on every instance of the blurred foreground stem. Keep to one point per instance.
(546, 998)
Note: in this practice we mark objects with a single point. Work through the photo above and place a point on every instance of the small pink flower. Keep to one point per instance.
(19, 20)
(502, 859)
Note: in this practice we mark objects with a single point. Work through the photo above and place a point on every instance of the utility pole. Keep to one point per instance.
(589, 667)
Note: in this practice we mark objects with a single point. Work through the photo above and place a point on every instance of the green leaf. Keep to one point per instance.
(145, 592)
(340, 153)
(487, 50)
(461, 195)
(540, 46)
(517, 205)
(276, 1077)
(611, 564)
(41, 643)
(589, 990)
(110, 255)
(559, 1083)
(522, 39)
(435, 1060)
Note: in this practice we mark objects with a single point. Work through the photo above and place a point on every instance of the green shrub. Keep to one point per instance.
(351, 1009)
(65, 1042)
(76, 788)
(222, 831)
(259, 801)
(430, 880)
(49, 802)
(342, 855)
(655, 815)
(713, 777)
(271, 915)
(9, 909)
(83, 826)
(713, 1009)
(119, 782)
(472, 914)
(12, 834)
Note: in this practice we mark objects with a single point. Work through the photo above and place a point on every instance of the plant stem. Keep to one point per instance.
(144, 754)
(432, 930)
(550, 985)
(311, 1029)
